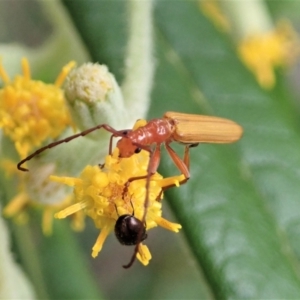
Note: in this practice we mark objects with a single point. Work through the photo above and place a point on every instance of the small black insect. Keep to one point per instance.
(129, 230)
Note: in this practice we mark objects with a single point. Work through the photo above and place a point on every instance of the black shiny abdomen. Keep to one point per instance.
(129, 230)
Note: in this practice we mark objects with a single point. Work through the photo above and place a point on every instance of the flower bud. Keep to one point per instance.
(94, 97)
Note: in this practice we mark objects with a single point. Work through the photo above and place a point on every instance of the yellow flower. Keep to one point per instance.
(17, 206)
(264, 52)
(105, 194)
(32, 111)
(261, 45)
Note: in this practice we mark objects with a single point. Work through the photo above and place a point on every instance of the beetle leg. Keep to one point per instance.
(154, 157)
(110, 144)
(180, 164)
(126, 186)
(152, 168)
(154, 160)
(186, 158)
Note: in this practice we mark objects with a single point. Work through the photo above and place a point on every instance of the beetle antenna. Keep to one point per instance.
(115, 133)
(132, 207)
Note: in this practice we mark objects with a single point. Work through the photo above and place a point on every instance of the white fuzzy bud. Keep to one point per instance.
(95, 97)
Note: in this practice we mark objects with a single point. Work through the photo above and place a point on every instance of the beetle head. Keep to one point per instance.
(127, 148)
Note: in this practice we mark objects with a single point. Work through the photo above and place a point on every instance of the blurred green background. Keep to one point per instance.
(240, 211)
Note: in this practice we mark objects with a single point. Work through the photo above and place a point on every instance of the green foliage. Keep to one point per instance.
(240, 211)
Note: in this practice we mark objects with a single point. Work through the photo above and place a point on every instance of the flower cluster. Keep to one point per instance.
(32, 111)
(105, 193)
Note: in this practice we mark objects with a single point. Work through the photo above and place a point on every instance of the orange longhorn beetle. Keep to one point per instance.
(188, 129)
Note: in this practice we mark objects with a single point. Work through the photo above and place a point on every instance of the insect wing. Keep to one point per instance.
(191, 129)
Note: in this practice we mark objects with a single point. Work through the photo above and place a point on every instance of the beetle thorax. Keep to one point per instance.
(156, 131)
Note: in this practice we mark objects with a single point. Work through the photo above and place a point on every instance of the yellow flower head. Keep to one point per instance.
(32, 111)
(105, 194)
(52, 198)
(264, 52)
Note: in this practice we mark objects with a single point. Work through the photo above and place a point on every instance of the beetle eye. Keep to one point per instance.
(137, 150)
(124, 132)
(129, 230)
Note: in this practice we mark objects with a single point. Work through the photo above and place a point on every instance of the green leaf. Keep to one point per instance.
(240, 209)
(103, 27)
(66, 267)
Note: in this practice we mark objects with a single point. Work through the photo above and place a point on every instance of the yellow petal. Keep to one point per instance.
(70, 181)
(168, 225)
(143, 254)
(100, 241)
(64, 73)
(15, 205)
(71, 210)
